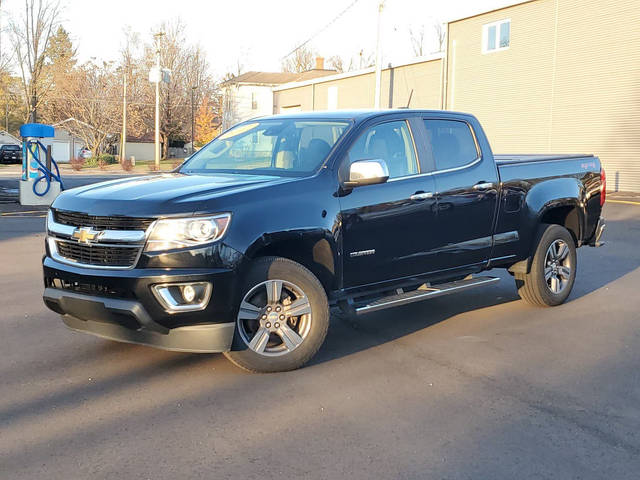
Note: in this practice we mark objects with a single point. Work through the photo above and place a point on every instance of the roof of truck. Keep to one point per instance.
(357, 114)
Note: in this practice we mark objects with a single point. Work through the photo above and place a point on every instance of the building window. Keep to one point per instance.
(496, 36)
(254, 101)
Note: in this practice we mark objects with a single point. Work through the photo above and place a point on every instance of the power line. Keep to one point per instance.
(335, 19)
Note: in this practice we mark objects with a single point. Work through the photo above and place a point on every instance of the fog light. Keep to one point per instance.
(183, 297)
(188, 293)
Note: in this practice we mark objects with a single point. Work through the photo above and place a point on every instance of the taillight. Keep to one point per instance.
(603, 186)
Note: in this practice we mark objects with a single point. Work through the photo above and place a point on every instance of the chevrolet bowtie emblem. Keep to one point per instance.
(86, 235)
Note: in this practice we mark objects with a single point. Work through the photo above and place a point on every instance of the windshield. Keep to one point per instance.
(269, 147)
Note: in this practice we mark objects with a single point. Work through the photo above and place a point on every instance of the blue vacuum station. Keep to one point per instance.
(39, 184)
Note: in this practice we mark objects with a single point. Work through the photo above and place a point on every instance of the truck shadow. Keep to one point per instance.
(351, 334)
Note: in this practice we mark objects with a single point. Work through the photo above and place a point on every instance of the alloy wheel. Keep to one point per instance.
(557, 266)
(274, 317)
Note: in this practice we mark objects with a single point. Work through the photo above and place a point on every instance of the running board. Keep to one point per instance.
(424, 293)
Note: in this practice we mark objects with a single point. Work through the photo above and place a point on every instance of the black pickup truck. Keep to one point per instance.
(244, 248)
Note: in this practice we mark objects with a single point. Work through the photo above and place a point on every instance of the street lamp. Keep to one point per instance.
(193, 129)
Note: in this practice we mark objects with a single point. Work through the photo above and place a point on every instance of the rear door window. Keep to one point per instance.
(450, 143)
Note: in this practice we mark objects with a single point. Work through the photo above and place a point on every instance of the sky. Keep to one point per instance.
(259, 33)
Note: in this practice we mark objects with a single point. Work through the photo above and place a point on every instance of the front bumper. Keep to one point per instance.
(120, 305)
(114, 319)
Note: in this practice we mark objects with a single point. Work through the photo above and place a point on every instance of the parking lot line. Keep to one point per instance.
(626, 202)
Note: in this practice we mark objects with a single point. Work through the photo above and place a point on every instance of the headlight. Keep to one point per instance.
(171, 233)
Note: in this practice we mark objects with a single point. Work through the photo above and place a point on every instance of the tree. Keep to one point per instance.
(60, 64)
(441, 35)
(336, 63)
(189, 69)
(207, 123)
(89, 104)
(362, 60)
(301, 60)
(31, 35)
(417, 40)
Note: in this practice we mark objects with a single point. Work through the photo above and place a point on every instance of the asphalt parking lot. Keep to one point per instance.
(477, 386)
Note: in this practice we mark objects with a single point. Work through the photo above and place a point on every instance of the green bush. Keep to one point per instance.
(100, 161)
(91, 162)
(108, 159)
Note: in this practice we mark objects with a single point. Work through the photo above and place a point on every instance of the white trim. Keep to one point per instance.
(476, 12)
(485, 36)
(340, 76)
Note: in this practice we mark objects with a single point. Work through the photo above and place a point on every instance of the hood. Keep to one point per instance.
(157, 195)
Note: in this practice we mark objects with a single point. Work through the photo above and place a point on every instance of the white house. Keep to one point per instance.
(250, 94)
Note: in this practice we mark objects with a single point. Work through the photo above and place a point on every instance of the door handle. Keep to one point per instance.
(483, 186)
(419, 196)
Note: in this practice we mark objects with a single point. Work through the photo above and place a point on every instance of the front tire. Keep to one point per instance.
(282, 319)
(553, 269)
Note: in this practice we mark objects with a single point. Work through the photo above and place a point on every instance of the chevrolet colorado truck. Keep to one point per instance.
(244, 248)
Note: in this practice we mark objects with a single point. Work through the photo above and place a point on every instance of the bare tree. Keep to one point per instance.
(190, 78)
(301, 60)
(441, 34)
(31, 35)
(89, 104)
(336, 63)
(417, 40)
(362, 60)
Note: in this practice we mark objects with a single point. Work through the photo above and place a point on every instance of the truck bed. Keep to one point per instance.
(507, 159)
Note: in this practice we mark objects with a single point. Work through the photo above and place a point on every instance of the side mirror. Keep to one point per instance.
(367, 172)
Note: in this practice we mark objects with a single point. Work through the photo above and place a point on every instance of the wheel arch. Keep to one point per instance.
(556, 201)
(314, 250)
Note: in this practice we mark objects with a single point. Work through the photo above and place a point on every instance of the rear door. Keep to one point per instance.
(467, 194)
(386, 228)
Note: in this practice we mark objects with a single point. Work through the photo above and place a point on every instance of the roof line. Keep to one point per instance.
(4, 132)
(356, 73)
(484, 12)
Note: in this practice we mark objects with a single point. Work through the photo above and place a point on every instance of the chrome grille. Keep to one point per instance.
(79, 219)
(98, 255)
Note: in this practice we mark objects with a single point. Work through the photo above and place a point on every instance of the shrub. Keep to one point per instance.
(107, 159)
(77, 163)
(91, 162)
(127, 165)
(152, 167)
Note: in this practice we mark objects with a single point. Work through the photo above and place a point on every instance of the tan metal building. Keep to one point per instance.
(553, 76)
(416, 84)
(543, 76)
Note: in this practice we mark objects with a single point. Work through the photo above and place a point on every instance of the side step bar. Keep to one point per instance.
(424, 293)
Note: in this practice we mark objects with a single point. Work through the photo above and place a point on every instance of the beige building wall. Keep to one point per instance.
(357, 91)
(568, 83)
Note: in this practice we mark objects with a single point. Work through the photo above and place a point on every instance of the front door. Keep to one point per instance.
(387, 228)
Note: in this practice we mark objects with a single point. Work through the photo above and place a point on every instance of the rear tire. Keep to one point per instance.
(553, 269)
(283, 317)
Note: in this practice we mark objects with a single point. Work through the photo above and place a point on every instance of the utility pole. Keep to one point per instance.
(123, 149)
(6, 114)
(158, 80)
(376, 101)
(193, 122)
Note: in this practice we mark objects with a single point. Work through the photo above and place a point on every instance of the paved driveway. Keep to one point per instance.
(478, 386)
